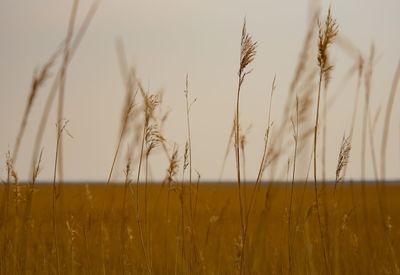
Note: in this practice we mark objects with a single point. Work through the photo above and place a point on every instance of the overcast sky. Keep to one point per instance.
(164, 40)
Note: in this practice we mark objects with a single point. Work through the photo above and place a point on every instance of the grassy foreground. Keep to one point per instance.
(98, 230)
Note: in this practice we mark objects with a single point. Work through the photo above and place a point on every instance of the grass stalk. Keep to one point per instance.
(247, 54)
(63, 76)
(295, 126)
(61, 127)
(188, 107)
(327, 34)
(56, 82)
(386, 126)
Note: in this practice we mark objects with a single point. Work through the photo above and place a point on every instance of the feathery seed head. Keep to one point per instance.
(343, 158)
(173, 167)
(326, 34)
(153, 138)
(247, 51)
(150, 104)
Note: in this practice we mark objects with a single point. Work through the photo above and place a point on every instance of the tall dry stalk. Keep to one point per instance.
(38, 80)
(5, 210)
(27, 214)
(188, 107)
(124, 216)
(264, 157)
(153, 139)
(243, 142)
(129, 77)
(247, 54)
(300, 72)
(61, 128)
(324, 133)
(170, 180)
(295, 126)
(385, 134)
(227, 150)
(127, 112)
(50, 98)
(360, 68)
(63, 76)
(386, 127)
(367, 84)
(150, 104)
(327, 34)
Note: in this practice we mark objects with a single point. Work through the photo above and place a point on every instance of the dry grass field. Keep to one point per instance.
(205, 241)
(183, 225)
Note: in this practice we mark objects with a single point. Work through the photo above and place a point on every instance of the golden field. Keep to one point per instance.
(359, 240)
(189, 226)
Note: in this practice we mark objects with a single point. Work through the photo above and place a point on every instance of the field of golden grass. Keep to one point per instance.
(97, 233)
(183, 226)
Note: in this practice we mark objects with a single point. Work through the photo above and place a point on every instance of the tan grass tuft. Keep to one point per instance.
(327, 35)
(173, 167)
(247, 52)
(153, 138)
(343, 158)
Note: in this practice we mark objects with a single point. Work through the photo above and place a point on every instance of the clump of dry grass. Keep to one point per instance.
(173, 167)
(205, 240)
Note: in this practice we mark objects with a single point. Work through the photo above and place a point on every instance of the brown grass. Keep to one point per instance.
(282, 228)
(217, 228)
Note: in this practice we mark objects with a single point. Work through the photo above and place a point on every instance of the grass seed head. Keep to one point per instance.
(343, 159)
(247, 52)
(326, 34)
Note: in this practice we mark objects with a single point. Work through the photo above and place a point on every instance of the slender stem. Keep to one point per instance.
(354, 116)
(295, 136)
(115, 155)
(264, 155)
(59, 133)
(137, 201)
(387, 121)
(190, 150)
(63, 74)
(324, 135)
(237, 151)
(315, 171)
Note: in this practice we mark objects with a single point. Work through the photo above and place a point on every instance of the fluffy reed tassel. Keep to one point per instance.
(343, 159)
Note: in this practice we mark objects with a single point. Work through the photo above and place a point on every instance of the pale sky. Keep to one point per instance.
(164, 40)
